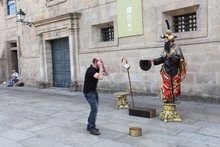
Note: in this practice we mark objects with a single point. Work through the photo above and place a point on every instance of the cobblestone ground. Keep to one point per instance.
(31, 117)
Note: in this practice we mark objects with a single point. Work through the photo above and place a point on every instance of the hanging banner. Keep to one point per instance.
(129, 15)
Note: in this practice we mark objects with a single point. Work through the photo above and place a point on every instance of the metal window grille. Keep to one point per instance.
(11, 7)
(107, 34)
(13, 44)
(184, 23)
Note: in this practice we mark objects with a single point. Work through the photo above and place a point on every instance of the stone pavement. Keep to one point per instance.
(31, 117)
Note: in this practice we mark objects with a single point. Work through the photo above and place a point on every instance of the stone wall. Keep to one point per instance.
(201, 48)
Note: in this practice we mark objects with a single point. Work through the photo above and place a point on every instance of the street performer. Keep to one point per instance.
(173, 70)
(94, 73)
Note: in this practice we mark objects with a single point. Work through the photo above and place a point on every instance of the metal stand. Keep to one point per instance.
(169, 113)
(122, 100)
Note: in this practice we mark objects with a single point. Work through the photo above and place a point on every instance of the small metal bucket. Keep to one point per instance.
(135, 132)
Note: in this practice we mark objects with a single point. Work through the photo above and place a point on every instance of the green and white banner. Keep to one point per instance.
(129, 15)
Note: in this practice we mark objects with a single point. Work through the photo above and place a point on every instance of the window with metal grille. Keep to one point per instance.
(14, 44)
(11, 7)
(107, 34)
(184, 23)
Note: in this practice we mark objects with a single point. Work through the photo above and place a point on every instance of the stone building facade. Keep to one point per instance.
(76, 27)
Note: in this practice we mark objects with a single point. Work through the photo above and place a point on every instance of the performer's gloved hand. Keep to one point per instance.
(152, 61)
(127, 66)
(168, 55)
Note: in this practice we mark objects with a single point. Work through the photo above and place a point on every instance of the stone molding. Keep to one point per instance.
(54, 2)
(68, 16)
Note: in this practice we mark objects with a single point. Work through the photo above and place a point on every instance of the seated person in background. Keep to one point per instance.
(15, 78)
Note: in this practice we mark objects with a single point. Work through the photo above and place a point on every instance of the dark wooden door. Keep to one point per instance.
(61, 63)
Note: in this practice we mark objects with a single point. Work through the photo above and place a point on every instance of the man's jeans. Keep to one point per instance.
(93, 100)
(11, 82)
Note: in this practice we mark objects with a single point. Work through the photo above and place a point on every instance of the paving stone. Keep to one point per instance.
(67, 116)
(4, 127)
(79, 127)
(110, 134)
(207, 124)
(42, 142)
(200, 137)
(145, 142)
(56, 133)
(177, 125)
(9, 143)
(180, 140)
(13, 119)
(26, 124)
(56, 121)
(45, 111)
(82, 139)
(17, 134)
(210, 131)
(203, 116)
(111, 143)
(85, 121)
(116, 127)
(33, 115)
(38, 127)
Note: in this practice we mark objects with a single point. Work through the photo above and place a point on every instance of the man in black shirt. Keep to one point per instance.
(94, 73)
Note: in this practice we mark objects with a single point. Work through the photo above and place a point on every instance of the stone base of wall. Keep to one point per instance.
(75, 87)
(43, 85)
(1, 81)
(196, 98)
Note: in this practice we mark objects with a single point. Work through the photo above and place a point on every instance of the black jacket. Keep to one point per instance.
(170, 64)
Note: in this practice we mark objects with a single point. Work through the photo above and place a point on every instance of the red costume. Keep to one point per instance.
(173, 72)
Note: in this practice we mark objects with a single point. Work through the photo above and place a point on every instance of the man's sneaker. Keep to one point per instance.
(94, 132)
(94, 128)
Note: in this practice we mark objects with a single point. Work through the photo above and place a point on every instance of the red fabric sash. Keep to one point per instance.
(171, 87)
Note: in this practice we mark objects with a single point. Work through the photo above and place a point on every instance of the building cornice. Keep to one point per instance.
(68, 16)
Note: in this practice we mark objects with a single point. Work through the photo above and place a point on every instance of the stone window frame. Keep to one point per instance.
(95, 35)
(8, 7)
(5, 7)
(50, 3)
(184, 7)
(65, 25)
(8, 57)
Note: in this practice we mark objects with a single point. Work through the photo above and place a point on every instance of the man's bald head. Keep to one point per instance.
(96, 59)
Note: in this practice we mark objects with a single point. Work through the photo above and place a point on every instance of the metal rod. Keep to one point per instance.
(130, 88)
(172, 89)
(129, 80)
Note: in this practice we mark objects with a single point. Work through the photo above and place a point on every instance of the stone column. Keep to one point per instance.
(76, 45)
(74, 51)
(42, 81)
(73, 55)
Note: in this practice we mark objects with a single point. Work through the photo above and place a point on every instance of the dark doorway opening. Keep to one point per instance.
(14, 60)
